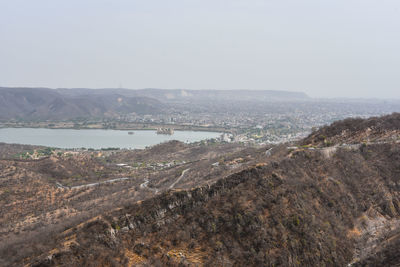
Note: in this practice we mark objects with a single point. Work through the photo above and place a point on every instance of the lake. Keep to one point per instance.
(96, 138)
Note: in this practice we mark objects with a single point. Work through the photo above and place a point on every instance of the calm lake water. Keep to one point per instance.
(69, 138)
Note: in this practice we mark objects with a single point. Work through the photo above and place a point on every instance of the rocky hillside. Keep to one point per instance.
(356, 131)
(305, 207)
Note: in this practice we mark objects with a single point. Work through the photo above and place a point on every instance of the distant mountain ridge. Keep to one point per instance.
(64, 104)
(168, 95)
(45, 104)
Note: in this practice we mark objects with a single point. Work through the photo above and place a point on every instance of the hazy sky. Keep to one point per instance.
(326, 48)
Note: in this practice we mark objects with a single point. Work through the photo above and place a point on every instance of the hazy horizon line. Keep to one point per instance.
(207, 89)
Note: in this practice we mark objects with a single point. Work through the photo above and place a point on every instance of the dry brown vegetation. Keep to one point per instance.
(356, 130)
(298, 211)
(34, 209)
(302, 207)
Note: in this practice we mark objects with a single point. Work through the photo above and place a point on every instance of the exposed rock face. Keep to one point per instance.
(355, 131)
(308, 210)
(313, 208)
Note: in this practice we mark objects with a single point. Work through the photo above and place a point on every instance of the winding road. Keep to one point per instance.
(59, 185)
(145, 185)
(179, 178)
(142, 185)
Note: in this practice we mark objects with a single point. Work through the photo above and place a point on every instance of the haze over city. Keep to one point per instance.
(199, 133)
(323, 48)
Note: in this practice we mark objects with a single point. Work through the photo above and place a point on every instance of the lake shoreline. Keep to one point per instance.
(97, 138)
(118, 126)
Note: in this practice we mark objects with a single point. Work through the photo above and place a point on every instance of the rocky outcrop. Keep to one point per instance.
(307, 210)
(356, 131)
(309, 207)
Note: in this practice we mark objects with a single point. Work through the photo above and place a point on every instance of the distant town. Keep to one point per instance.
(251, 117)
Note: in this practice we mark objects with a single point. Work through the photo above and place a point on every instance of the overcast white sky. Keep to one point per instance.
(326, 48)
